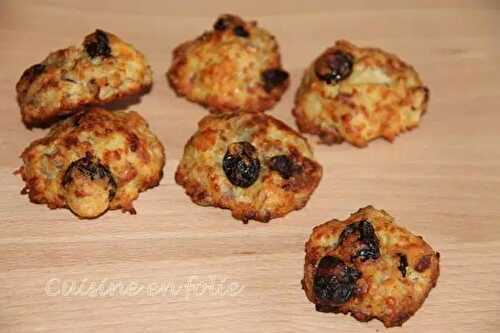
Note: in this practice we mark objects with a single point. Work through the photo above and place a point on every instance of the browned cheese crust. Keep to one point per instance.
(100, 70)
(369, 267)
(359, 94)
(92, 162)
(234, 67)
(250, 163)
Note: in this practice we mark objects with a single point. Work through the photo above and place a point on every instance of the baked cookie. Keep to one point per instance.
(369, 267)
(236, 66)
(359, 94)
(93, 161)
(250, 163)
(104, 68)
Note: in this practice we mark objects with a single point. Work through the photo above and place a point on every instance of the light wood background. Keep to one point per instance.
(441, 181)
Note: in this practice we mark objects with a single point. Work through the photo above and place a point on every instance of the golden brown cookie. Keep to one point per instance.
(369, 267)
(250, 163)
(359, 94)
(92, 162)
(234, 67)
(103, 69)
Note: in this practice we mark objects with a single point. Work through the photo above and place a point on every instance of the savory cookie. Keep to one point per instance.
(370, 267)
(359, 94)
(235, 67)
(93, 161)
(250, 163)
(104, 68)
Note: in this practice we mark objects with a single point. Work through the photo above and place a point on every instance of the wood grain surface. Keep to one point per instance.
(441, 181)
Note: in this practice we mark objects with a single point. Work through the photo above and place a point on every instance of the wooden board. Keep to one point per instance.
(441, 180)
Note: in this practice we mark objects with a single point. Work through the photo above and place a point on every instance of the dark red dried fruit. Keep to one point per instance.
(98, 45)
(334, 281)
(334, 67)
(37, 69)
(284, 165)
(241, 164)
(273, 78)
(423, 263)
(221, 24)
(31, 73)
(92, 169)
(403, 263)
(363, 240)
(240, 31)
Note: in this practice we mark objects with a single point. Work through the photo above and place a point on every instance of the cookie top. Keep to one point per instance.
(103, 69)
(369, 267)
(92, 162)
(359, 94)
(236, 66)
(250, 163)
